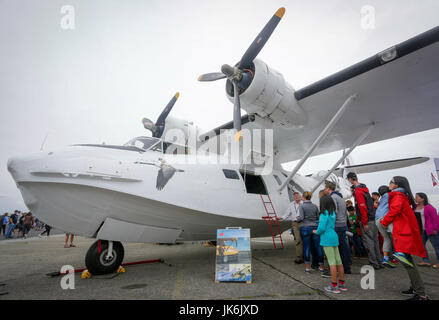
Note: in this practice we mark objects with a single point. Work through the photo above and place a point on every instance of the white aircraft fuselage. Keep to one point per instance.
(80, 188)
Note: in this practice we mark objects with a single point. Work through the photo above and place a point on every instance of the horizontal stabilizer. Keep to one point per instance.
(382, 166)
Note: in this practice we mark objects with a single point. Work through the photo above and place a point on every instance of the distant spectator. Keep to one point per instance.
(430, 221)
(19, 226)
(71, 240)
(37, 224)
(4, 222)
(28, 222)
(12, 222)
(46, 231)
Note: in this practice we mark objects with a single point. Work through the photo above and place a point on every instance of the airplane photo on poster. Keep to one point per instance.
(162, 189)
(233, 255)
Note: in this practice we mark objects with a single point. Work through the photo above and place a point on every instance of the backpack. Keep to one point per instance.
(369, 203)
(369, 206)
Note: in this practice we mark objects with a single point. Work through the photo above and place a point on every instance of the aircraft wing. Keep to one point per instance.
(381, 166)
(397, 90)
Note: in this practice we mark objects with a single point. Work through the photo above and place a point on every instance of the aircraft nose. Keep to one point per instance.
(19, 166)
(12, 165)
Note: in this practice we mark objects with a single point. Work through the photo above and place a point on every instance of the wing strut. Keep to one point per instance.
(359, 140)
(319, 139)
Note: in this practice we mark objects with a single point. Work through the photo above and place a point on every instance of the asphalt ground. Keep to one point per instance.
(188, 273)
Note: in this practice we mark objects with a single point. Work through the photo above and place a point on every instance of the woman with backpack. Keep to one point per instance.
(406, 236)
(329, 242)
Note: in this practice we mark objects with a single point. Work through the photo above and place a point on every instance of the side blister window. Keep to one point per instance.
(231, 174)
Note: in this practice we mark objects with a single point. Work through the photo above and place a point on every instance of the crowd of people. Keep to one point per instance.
(19, 224)
(387, 227)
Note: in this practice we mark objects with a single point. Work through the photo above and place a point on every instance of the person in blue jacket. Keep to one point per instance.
(329, 242)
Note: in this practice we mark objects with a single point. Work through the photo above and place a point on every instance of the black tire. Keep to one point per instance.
(95, 261)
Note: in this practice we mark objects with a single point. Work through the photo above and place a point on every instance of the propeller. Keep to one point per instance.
(158, 127)
(242, 74)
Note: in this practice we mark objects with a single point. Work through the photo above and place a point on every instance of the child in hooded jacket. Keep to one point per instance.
(329, 242)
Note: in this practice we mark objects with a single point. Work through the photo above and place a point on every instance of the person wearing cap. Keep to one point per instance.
(366, 213)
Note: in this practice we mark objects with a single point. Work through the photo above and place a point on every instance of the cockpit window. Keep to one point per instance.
(142, 142)
(170, 148)
(158, 145)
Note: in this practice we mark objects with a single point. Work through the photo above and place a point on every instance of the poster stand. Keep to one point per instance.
(233, 255)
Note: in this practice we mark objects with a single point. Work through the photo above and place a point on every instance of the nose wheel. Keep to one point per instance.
(104, 258)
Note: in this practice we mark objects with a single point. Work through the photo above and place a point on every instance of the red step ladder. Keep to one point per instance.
(272, 217)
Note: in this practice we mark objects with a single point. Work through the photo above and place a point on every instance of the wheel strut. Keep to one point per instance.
(109, 255)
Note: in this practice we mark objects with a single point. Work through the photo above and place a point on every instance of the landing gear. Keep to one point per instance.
(104, 258)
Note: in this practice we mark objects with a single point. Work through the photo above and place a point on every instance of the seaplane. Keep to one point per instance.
(155, 189)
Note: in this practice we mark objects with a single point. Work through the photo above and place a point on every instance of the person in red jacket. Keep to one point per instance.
(366, 213)
(406, 236)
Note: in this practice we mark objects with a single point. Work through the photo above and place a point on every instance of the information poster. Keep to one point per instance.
(233, 255)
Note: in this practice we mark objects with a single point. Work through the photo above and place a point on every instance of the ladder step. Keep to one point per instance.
(272, 216)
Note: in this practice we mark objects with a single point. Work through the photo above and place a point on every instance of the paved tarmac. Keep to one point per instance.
(188, 272)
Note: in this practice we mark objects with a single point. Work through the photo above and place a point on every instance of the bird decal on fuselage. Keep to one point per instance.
(165, 173)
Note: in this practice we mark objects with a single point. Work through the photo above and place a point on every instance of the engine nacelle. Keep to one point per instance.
(271, 97)
(184, 129)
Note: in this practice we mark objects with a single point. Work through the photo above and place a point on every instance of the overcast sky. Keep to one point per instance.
(126, 59)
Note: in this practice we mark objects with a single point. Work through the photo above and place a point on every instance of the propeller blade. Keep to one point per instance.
(160, 123)
(211, 76)
(161, 119)
(148, 124)
(260, 40)
(237, 112)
